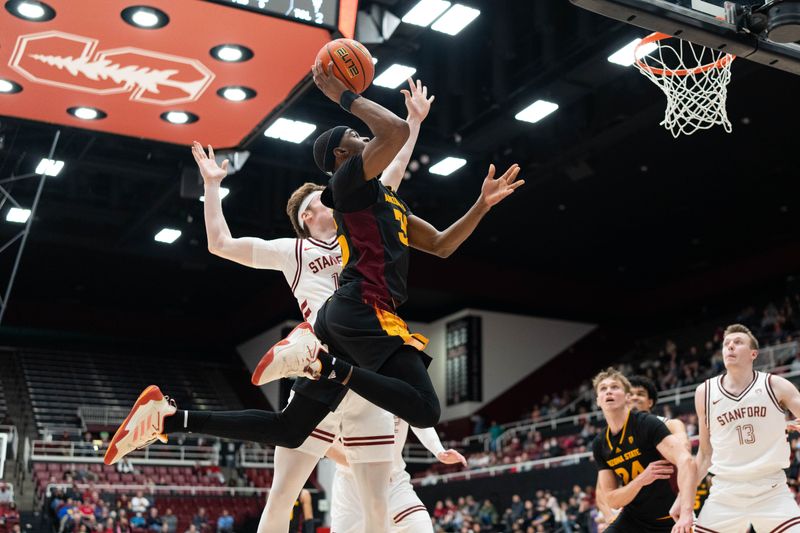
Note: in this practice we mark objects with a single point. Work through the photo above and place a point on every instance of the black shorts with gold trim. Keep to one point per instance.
(628, 523)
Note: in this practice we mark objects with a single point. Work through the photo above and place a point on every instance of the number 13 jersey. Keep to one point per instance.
(748, 431)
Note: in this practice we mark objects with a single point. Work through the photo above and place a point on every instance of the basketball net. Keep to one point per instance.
(694, 79)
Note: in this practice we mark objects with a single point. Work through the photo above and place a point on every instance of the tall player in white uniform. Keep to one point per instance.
(743, 442)
(408, 513)
(311, 265)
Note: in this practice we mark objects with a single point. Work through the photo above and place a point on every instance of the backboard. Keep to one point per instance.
(732, 27)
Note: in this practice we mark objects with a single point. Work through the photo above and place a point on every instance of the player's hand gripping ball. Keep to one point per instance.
(352, 63)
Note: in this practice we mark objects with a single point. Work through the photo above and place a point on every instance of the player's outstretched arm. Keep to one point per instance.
(248, 251)
(425, 237)
(390, 131)
(430, 439)
(602, 506)
(673, 450)
(418, 105)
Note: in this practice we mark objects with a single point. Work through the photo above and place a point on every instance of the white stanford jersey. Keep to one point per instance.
(748, 431)
(311, 268)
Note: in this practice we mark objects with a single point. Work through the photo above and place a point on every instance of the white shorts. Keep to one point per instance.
(407, 512)
(766, 503)
(367, 432)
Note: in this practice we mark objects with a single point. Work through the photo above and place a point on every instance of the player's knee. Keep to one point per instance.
(427, 418)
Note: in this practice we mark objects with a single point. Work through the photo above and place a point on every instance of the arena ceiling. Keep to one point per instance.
(618, 221)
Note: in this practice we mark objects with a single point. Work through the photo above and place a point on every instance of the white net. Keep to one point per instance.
(693, 77)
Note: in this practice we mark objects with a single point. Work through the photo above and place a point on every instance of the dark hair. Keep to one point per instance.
(324, 145)
(647, 384)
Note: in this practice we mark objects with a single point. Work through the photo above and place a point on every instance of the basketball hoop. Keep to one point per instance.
(693, 77)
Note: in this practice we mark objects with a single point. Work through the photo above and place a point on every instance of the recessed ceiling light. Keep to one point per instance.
(536, 111)
(456, 19)
(167, 235)
(626, 55)
(87, 113)
(231, 53)
(425, 12)
(179, 117)
(32, 10)
(18, 215)
(51, 167)
(9, 87)
(394, 76)
(145, 17)
(223, 192)
(293, 131)
(447, 166)
(236, 93)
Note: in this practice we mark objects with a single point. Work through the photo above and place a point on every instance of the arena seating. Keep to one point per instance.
(58, 383)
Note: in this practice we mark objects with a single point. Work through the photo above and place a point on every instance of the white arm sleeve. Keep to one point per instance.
(277, 254)
(429, 438)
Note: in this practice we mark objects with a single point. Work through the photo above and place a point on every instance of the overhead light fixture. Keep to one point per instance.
(223, 192)
(447, 166)
(626, 55)
(179, 117)
(18, 215)
(394, 76)
(231, 53)
(167, 235)
(425, 12)
(293, 131)
(536, 111)
(87, 113)
(30, 10)
(236, 93)
(9, 87)
(51, 167)
(455, 19)
(145, 17)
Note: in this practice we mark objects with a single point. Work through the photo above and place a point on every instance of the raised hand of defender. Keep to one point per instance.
(654, 471)
(494, 191)
(451, 457)
(209, 169)
(330, 85)
(417, 101)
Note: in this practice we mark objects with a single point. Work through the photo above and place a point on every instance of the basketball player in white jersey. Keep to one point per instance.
(408, 513)
(311, 265)
(743, 443)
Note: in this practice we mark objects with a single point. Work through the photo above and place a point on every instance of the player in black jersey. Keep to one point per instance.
(632, 472)
(643, 396)
(371, 350)
(302, 517)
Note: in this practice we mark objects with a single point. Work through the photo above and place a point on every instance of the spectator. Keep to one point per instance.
(170, 520)
(139, 503)
(108, 526)
(200, 520)
(138, 520)
(5, 494)
(225, 522)
(517, 507)
(154, 521)
(494, 434)
(192, 529)
(488, 513)
(123, 526)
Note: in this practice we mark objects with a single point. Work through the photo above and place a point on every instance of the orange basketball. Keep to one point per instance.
(352, 63)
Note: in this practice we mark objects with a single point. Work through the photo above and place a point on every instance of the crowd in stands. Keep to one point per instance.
(74, 511)
(543, 512)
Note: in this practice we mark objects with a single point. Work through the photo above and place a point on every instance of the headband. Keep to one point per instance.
(304, 205)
